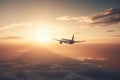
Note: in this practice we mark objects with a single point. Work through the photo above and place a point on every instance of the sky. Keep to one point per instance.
(91, 20)
(28, 50)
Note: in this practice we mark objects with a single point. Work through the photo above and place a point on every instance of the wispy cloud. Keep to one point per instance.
(110, 30)
(1, 26)
(89, 58)
(12, 25)
(107, 17)
(116, 35)
(66, 18)
(78, 19)
(11, 37)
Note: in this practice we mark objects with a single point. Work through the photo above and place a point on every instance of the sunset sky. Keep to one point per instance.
(95, 21)
(29, 51)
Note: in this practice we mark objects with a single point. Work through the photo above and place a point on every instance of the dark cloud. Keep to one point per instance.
(110, 30)
(75, 76)
(109, 16)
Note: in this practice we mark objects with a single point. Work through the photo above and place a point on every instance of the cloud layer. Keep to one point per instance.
(25, 62)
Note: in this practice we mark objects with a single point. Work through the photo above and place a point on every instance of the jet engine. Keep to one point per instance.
(60, 42)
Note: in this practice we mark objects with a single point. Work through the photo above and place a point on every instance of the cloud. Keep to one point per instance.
(98, 61)
(78, 19)
(12, 37)
(1, 26)
(107, 17)
(108, 12)
(110, 30)
(93, 59)
(12, 25)
(66, 18)
(75, 76)
(35, 64)
(116, 35)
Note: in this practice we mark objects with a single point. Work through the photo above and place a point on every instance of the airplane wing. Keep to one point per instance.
(80, 41)
(56, 39)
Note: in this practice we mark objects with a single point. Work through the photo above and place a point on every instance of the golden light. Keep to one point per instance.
(42, 35)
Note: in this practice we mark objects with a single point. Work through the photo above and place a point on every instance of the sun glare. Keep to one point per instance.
(42, 35)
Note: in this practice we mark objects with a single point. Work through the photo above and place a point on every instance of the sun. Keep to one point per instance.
(42, 35)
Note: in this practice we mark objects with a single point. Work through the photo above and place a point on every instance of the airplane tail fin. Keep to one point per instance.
(73, 37)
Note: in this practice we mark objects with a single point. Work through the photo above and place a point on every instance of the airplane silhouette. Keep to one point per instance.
(68, 41)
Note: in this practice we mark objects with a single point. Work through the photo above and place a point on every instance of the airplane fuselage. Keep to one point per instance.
(67, 41)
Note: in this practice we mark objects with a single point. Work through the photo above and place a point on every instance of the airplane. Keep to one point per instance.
(68, 41)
